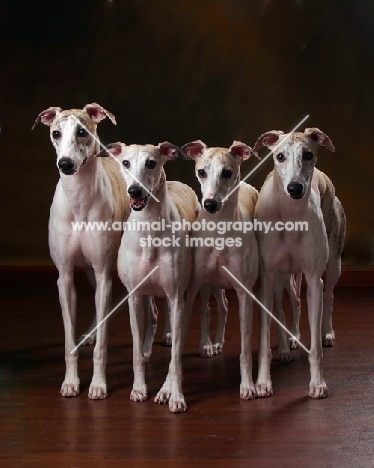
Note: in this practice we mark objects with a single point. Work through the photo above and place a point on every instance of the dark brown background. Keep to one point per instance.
(215, 70)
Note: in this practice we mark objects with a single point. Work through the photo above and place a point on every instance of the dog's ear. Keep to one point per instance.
(113, 149)
(319, 138)
(169, 150)
(97, 113)
(268, 139)
(242, 151)
(194, 149)
(47, 116)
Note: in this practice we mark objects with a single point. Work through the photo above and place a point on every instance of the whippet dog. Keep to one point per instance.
(154, 200)
(89, 189)
(297, 191)
(218, 171)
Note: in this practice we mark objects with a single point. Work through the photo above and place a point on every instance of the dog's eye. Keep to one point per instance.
(126, 163)
(82, 132)
(56, 134)
(150, 164)
(201, 173)
(226, 174)
(307, 155)
(280, 157)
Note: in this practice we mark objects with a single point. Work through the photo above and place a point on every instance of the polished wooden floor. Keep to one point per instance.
(39, 428)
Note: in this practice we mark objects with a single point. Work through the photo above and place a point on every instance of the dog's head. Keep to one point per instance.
(217, 169)
(295, 156)
(73, 134)
(142, 167)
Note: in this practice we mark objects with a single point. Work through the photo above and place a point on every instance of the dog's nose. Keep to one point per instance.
(210, 205)
(295, 190)
(65, 164)
(135, 191)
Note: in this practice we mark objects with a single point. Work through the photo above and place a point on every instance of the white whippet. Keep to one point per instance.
(218, 171)
(89, 189)
(145, 248)
(296, 191)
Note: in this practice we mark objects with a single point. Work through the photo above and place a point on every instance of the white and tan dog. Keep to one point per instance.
(296, 191)
(144, 249)
(89, 189)
(218, 171)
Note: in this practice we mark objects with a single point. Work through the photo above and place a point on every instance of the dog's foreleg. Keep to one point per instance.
(98, 389)
(151, 313)
(263, 385)
(136, 306)
(68, 302)
(247, 388)
(87, 336)
(317, 387)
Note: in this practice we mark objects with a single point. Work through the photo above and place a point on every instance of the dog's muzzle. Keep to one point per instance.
(295, 190)
(66, 165)
(211, 205)
(137, 202)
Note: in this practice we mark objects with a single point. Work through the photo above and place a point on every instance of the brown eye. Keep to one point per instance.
(201, 173)
(56, 134)
(82, 132)
(226, 174)
(307, 156)
(150, 164)
(126, 163)
(281, 157)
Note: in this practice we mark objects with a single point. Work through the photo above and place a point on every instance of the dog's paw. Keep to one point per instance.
(87, 339)
(177, 405)
(247, 392)
(139, 394)
(264, 389)
(284, 356)
(328, 340)
(167, 339)
(217, 348)
(97, 391)
(318, 391)
(206, 350)
(163, 396)
(70, 389)
(292, 343)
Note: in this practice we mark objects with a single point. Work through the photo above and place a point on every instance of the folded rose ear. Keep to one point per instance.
(97, 113)
(194, 149)
(47, 116)
(169, 150)
(242, 151)
(113, 149)
(319, 138)
(268, 139)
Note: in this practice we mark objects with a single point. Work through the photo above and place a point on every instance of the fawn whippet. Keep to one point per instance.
(89, 189)
(296, 191)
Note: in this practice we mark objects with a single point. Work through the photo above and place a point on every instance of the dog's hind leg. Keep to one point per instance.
(281, 282)
(222, 303)
(206, 347)
(294, 294)
(151, 317)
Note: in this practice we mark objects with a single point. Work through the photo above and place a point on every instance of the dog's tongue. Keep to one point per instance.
(136, 201)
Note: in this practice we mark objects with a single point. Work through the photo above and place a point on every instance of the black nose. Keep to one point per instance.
(65, 164)
(295, 190)
(135, 191)
(210, 205)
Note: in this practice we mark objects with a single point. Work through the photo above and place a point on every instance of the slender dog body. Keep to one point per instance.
(293, 194)
(218, 171)
(89, 190)
(145, 249)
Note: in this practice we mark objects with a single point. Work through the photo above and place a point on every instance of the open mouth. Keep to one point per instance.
(137, 204)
